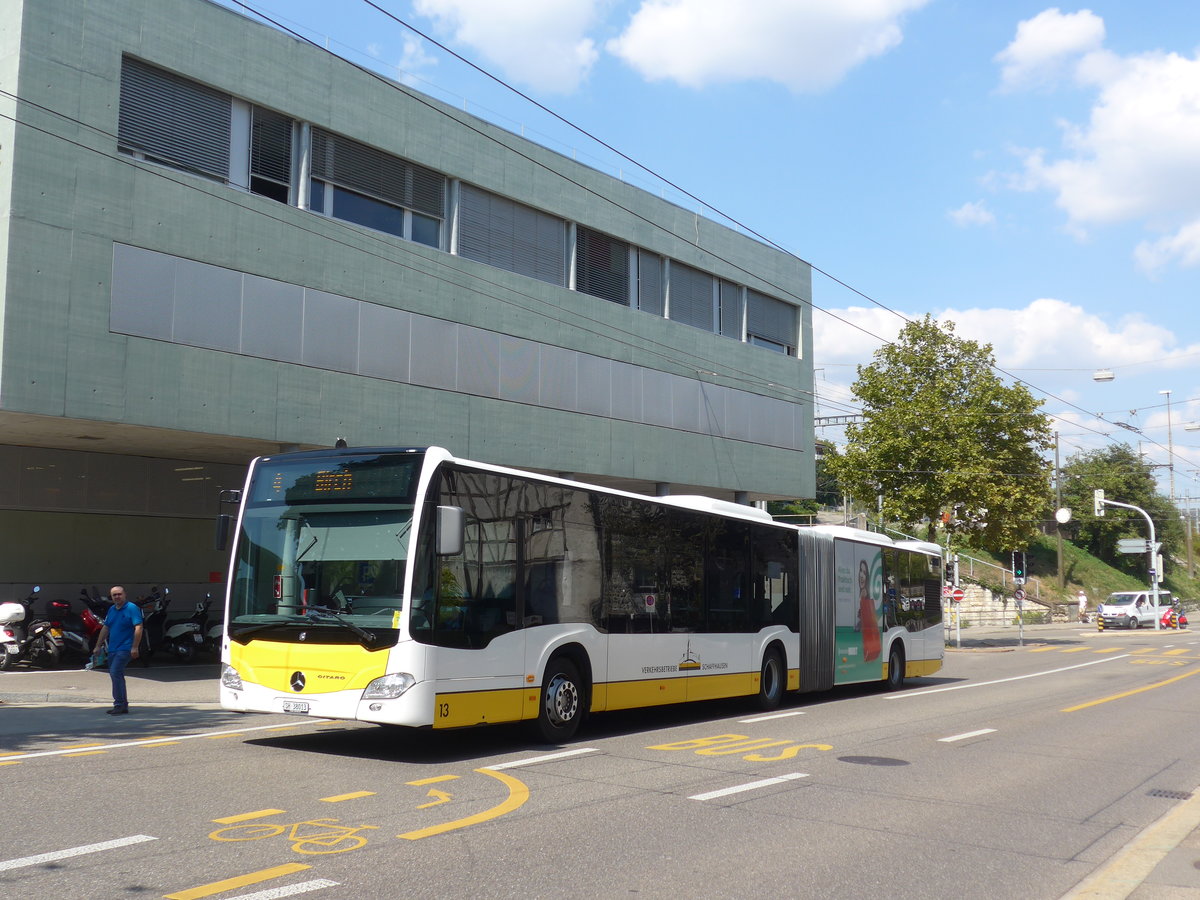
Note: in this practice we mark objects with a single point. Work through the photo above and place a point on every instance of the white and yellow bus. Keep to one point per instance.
(408, 587)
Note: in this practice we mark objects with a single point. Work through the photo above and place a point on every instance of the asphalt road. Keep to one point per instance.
(1038, 771)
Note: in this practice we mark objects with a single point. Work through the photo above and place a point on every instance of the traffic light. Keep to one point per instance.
(1018, 566)
(1098, 502)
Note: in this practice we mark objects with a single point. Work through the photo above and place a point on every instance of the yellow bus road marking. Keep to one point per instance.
(433, 780)
(351, 796)
(228, 734)
(518, 793)
(217, 887)
(81, 746)
(1140, 690)
(260, 814)
(11, 762)
(85, 753)
(1179, 652)
(1146, 650)
(1110, 650)
(160, 743)
(1076, 649)
(1041, 649)
(141, 742)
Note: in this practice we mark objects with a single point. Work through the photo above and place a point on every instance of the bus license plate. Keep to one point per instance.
(295, 706)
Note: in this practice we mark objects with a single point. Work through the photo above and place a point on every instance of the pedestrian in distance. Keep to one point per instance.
(122, 636)
(1083, 603)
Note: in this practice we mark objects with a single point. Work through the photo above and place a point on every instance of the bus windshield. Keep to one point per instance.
(325, 543)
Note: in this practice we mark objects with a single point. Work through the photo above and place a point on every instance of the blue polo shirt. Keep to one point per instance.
(121, 622)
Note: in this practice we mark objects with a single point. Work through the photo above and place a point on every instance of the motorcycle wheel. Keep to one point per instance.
(50, 654)
(184, 652)
(7, 660)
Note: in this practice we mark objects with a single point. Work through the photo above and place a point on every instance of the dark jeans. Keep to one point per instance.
(116, 671)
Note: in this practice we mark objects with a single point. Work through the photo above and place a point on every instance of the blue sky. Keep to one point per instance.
(1030, 172)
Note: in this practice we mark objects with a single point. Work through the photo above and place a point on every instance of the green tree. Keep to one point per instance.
(944, 439)
(1127, 478)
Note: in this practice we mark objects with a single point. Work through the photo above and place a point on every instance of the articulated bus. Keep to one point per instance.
(408, 587)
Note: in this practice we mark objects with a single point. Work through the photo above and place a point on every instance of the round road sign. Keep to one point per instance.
(1019, 595)
(958, 595)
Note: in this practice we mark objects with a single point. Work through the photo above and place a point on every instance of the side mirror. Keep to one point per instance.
(451, 530)
(224, 526)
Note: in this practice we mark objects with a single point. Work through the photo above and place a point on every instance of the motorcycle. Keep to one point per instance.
(38, 643)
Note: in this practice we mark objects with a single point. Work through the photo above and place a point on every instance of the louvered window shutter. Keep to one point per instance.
(771, 319)
(691, 297)
(173, 120)
(650, 282)
(359, 167)
(510, 236)
(601, 266)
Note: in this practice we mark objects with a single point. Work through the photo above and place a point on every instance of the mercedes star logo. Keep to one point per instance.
(297, 681)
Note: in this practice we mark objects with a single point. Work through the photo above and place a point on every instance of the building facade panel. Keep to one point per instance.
(180, 295)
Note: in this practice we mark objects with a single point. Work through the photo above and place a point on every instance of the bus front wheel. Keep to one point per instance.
(562, 701)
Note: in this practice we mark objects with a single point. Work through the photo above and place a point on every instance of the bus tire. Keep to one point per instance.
(895, 674)
(561, 707)
(771, 680)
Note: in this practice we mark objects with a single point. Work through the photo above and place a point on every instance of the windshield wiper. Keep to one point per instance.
(237, 632)
(367, 637)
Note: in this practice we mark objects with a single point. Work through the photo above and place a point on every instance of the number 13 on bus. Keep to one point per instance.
(409, 587)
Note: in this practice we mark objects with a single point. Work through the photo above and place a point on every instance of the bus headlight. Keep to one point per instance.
(230, 678)
(389, 687)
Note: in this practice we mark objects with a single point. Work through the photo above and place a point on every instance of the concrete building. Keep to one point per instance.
(219, 241)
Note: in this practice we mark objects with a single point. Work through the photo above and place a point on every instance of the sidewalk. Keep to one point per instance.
(191, 685)
(1009, 637)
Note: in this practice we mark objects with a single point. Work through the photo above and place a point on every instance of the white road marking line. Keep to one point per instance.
(782, 715)
(73, 851)
(289, 891)
(960, 687)
(753, 785)
(534, 760)
(158, 740)
(969, 734)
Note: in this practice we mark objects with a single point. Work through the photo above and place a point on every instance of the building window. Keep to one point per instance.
(271, 154)
(170, 120)
(691, 293)
(731, 310)
(511, 236)
(650, 283)
(357, 183)
(601, 266)
(771, 323)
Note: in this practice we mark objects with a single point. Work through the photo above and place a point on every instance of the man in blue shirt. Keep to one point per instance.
(122, 632)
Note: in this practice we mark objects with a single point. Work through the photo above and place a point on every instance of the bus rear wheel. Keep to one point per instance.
(561, 708)
(771, 680)
(895, 674)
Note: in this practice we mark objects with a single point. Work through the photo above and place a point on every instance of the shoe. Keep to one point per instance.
(117, 712)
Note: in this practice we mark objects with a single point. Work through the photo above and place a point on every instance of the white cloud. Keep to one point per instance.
(1045, 46)
(1137, 158)
(540, 43)
(803, 46)
(414, 59)
(971, 213)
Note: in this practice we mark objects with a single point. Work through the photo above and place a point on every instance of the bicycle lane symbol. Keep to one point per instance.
(326, 836)
(311, 837)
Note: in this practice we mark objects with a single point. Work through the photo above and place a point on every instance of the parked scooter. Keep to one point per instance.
(214, 632)
(39, 642)
(184, 637)
(92, 613)
(154, 618)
